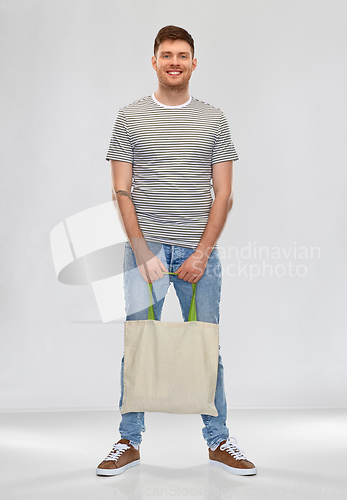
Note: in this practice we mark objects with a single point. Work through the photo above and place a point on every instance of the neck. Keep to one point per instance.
(172, 96)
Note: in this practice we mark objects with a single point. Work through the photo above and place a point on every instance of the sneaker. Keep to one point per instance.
(122, 456)
(228, 456)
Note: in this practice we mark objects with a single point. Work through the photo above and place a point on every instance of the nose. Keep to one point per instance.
(174, 60)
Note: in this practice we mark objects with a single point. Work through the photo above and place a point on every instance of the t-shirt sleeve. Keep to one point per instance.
(120, 147)
(224, 149)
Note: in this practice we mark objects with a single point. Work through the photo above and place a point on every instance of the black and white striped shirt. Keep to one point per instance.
(172, 150)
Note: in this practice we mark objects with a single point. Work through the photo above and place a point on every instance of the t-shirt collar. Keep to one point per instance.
(171, 107)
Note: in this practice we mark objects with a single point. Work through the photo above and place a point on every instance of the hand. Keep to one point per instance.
(149, 265)
(193, 268)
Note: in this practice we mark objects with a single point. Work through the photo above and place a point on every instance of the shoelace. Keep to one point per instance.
(234, 450)
(117, 451)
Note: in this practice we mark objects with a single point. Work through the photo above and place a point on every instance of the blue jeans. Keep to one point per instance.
(207, 298)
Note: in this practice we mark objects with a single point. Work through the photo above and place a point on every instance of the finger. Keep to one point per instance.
(162, 267)
(193, 278)
(160, 272)
(148, 278)
(146, 274)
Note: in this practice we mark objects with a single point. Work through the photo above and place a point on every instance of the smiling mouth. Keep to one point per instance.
(174, 73)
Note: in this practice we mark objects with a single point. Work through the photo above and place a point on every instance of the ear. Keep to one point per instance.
(194, 63)
(154, 63)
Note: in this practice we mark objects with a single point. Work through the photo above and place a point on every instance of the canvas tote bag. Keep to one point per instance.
(170, 367)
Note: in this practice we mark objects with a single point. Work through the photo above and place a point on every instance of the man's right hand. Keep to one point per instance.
(149, 265)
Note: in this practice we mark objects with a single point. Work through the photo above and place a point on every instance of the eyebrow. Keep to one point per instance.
(168, 52)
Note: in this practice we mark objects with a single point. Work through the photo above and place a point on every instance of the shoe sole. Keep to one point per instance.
(119, 470)
(234, 470)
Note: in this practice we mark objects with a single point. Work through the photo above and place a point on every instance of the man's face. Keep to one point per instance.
(174, 64)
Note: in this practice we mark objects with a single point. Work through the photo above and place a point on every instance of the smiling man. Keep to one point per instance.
(165, 149)
(174, 65)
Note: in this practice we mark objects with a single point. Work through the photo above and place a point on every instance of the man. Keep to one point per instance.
(168, 146)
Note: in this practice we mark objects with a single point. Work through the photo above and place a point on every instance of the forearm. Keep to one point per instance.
(129, 219)
(215, 224)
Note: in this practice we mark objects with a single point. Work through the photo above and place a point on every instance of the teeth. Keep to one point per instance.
(174, 72)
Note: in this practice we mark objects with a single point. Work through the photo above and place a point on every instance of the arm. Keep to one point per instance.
(222, 177)
(149, 265)
(121, 174)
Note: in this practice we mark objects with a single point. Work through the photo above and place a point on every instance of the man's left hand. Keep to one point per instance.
(193, 268)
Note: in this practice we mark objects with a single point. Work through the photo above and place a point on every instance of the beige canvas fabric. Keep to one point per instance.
(170, 367)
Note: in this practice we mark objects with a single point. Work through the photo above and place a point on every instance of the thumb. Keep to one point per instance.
(162, 267)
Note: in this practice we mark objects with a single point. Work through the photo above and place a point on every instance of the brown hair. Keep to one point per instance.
(173, 33)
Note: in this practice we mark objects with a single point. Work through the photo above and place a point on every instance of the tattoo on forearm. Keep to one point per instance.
(124, 193)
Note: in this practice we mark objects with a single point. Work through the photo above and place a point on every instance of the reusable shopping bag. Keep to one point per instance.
(170, 367)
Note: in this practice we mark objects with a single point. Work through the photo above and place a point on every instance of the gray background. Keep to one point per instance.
(278, 71)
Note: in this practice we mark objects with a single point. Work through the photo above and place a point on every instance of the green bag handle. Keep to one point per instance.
(192, 310)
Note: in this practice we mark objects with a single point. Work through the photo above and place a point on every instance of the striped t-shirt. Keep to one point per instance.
(172, 150)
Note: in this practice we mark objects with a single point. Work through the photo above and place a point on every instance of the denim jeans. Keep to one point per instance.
(207, 298)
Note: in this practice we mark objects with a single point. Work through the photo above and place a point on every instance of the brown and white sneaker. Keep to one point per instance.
(122, 456)
(229, 456)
